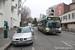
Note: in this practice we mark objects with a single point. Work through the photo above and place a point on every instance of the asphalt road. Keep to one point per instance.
(63, 41)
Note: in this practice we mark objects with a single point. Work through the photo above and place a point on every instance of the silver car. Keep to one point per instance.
(22, 36)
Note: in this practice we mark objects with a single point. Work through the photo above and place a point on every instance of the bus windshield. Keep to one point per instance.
(54, 24)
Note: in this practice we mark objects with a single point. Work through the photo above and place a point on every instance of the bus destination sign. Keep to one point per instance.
(52, 18)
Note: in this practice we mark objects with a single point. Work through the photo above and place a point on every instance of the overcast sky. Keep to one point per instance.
(40, 6)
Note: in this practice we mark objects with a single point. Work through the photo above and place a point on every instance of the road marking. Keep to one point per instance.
(71, 42)
(66, 43)
(33, 48)
(63, 48)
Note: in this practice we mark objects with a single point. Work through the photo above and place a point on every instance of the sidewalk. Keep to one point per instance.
(4, 42)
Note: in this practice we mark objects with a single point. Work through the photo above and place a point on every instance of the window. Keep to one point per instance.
(61, 18)
(69, 16)
(66, 17)
(72, 15)
(59, 12)
(23, 30)
(59, 7)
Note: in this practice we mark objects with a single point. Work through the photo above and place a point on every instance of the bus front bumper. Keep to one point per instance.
(54, 31)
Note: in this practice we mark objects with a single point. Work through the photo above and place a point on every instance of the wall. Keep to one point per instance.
(57, 10)
(66, 8)
(1, 15)
(72, 6)
(68, 20)
(73, 1)
(8, 12)
(71, 26)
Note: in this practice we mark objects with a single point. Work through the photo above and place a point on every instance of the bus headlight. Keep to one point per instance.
(59, 29)
(47, 29)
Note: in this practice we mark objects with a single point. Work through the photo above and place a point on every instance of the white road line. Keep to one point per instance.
(71, 42)
(33, 48)
(66, 43)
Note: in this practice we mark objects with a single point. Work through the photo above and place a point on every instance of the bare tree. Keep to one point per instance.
(26, 14)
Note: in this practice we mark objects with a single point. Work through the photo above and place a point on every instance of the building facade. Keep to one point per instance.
(61, 9)
(68, 19)
(10, 11)
(50, 11)
(42, 16)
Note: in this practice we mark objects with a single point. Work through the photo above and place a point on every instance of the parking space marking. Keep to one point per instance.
(33, 48)
(71, 42)
(66, 43)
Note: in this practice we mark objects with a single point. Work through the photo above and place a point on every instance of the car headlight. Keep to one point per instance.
(29, 38)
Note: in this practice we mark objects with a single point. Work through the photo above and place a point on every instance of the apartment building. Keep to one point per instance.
(10, 11)
(50, 11)
(42, 16)
(68, 19)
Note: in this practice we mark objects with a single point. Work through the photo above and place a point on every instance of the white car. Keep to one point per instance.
(22, 36)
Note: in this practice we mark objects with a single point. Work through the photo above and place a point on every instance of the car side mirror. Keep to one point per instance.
(32, 33)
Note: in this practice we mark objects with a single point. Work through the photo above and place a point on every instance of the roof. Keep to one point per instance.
(46, 19)
(42, 19)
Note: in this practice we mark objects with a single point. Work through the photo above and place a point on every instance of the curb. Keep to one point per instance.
(6, 46)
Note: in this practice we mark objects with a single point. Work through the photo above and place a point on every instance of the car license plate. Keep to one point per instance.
(19, 42)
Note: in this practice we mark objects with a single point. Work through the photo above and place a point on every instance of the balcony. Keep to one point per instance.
(13, 5)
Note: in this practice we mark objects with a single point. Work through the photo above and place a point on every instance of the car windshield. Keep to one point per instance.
(23, 30)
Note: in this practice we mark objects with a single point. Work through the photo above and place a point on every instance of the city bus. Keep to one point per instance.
(50, 25)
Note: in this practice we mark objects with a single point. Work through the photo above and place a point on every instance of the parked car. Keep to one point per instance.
(22, 36)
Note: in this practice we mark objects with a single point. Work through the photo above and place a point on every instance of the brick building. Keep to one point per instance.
(61, 9)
